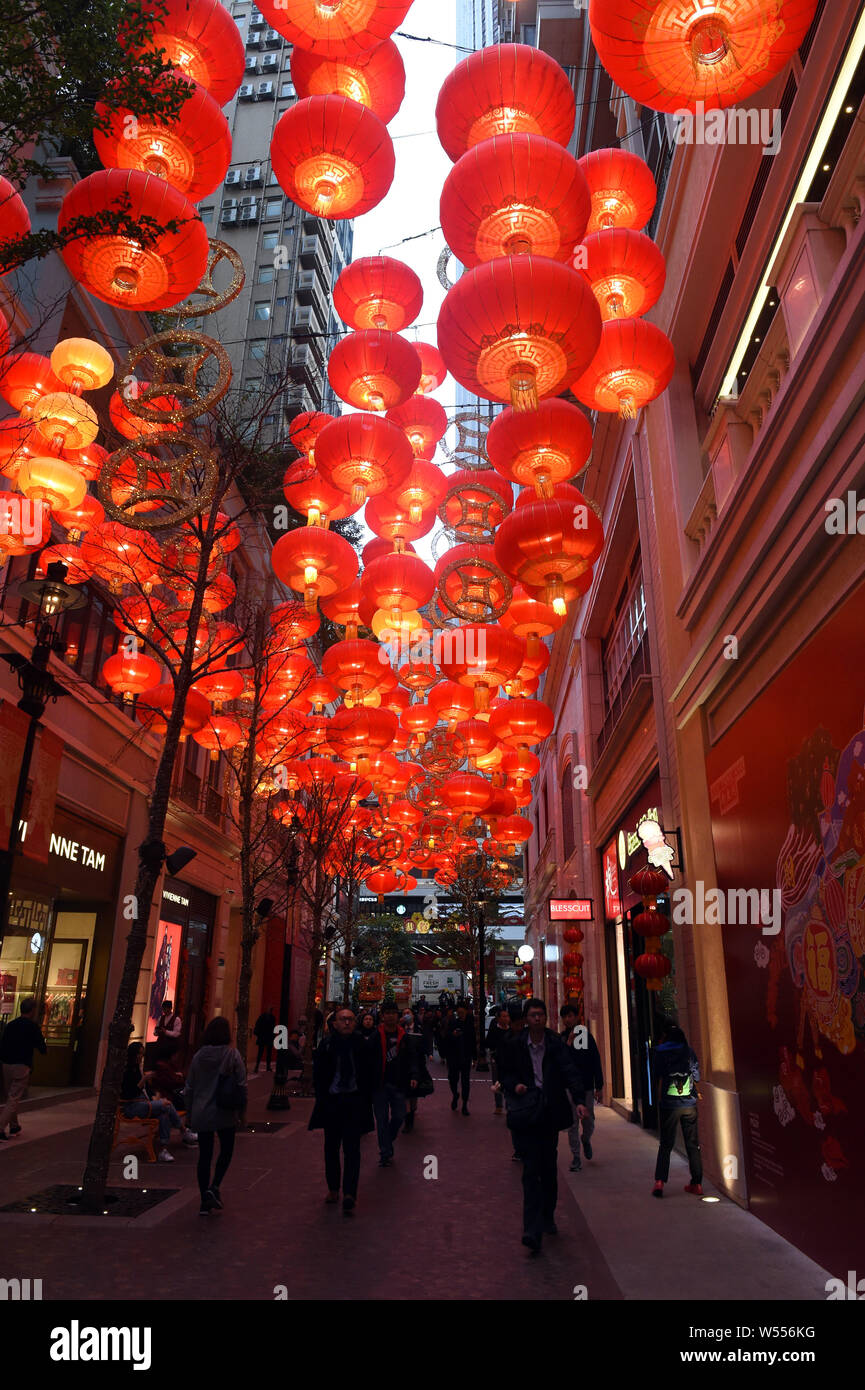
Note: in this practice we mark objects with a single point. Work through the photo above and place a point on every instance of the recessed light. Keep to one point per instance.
(756, 340)
(848, 110)
(826, 168)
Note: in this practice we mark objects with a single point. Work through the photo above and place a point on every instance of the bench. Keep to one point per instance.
(147, 1127)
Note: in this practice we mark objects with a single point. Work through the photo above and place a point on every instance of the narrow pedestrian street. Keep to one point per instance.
(453, 1237)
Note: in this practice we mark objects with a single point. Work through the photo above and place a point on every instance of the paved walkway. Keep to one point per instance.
(454, 1236)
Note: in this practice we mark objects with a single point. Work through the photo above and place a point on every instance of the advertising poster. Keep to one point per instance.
(166, 962)
(787, 787)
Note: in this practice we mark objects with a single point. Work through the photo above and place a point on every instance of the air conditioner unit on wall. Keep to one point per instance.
(232, 177)
(246, 92)
(229, 215)
(265, 89)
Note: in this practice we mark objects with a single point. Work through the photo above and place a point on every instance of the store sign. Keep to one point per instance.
(570, 909)
(612, 898)
(175, 898)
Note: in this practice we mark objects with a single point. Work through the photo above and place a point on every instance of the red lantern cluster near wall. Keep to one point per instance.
(651, 965)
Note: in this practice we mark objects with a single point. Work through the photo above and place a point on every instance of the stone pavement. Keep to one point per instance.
(452, 1237)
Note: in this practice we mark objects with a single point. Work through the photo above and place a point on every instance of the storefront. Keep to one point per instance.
(58, 944)
(181, 953)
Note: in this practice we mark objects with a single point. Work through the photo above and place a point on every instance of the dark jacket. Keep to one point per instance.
(202, 1081)
(496, 1036)
(676, 1072)
(20, 1040)
(588, 1060)
(561, 1074)
(407, 1066)
(265, 1028)
(458, 1040)
(324, 1065)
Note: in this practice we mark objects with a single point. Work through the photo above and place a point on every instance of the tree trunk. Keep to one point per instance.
(305, 1079)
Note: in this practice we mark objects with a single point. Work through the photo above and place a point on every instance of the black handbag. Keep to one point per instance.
(230, 1093)
(525, 1111)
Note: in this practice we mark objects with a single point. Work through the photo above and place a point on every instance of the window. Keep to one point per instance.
(567, 790)
(287, 90)
(272, 207)
(261, 311)
(258, 349)
(206, 214)
(628, 630)
(253, 383)
(545, 804)
(265, 275)
(269, 421)
(281, 301)
(270, 241)
(273, 178)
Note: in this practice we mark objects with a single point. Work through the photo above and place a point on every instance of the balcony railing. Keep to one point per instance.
(639, 668)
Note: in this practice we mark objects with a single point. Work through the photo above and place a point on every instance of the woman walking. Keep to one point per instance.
(216, 1097)
(676, 1075)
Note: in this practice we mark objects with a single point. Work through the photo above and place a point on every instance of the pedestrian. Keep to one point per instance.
(367, 1024)
(460, 1050)
(265, 1032)
(165, 1080)
(22, 1037)
(676, 1072)
(517, 1015)
(343, 1076)
(170, 1024)
(216, 1099)
(589, 1062)
(138, 1103)
(537, 1072)
(396, 1075)
(427, 1028)
(425, 1085)
(302, 1025)
(499, 1030)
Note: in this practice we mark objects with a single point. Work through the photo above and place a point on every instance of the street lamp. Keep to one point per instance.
(526, 954)
(53, 597)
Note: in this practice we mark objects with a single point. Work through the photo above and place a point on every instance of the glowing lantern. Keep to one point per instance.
(486, 657)
(121, 555)
(65, 420)
(388, 519)
(515, 195)
(314, 561)
(153, 708)
(192, 152)
(514, 830)
(549, 543)
(131, 673)
(305, 429)
(398, 584)
(50, 480)
(382, 881)
(504, 90)
(89, 461)
(521, 765)
(622, 189)
(360, 734)
(451, 703)
(201, 39)
(653, 967)
(77, 569)
(82, 365)
(468, 794)
(476, 502)
(332, 157)
(633, 365)
(343, 608)
(433, 370)
(718, 52)
(309, 493)
(625, 270)
(320, 692)
(373, 369)
(18, 441)
(510, 329)
(220, 686)
(424, 423)
(363, 455)
(133, 426)
(540, 448)
(121, 271)
(417, 720)
(375, 79)
(422, 490)
(520, 723)
(293, 623)
(219, 734)
(14, 218)
(378, 292)
(19, 534)
(336, 27)
(355, 667)
(529, 618)
(24, 378)
(478, 739)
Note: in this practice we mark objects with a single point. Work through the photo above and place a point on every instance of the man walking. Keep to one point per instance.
(499, 1032)
(461, 1049)
(577, 1036)
(20, 1040)
(343, 1080)
(395, 1075)
(537, 1072)
(265, 1031)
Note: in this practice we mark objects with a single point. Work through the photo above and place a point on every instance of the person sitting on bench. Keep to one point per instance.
(136, 1103)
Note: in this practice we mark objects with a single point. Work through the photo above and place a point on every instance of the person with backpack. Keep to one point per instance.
(459, 1048)
(396, 1076)
(676, 1073)
(216, 1100)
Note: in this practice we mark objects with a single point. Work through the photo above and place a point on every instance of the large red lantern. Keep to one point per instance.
(314, 562)
(423, 489)
(332, 157)
(484, 658)
(355, 667)
(510, 329)
(529, 618)
(308, 492)
(360, 734)
(451, 703)
(363, 455)
(16, 538)
(116, 268)
(398, 584)
(393, 522)
(191, 152)
(343, 608)
(201, 39)
(622, 189)
(14, 217)
(336, 27)
(378, 292)
(121, 555)
(374, 369)
(219, 734)
(468, 794)
(375, 79)
(515, 195)
(670, 56)
(540, 448)
(507, 89)
(548, 544)
(293, 623)
(130, 674)
(305, 429)
(432, 366)
(521, 723)
(25, 377)
(625, 270)
(653, 967)
(633, 365)
(424, 422)
(153, 708)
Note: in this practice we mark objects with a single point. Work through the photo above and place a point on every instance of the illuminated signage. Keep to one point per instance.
(570, 909)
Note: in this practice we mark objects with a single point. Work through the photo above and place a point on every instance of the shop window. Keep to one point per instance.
(567, 789)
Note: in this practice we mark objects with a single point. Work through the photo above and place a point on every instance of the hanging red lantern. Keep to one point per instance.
(117, 269)
(433, 370)
(19, 439)
(363, 455)
(382, 881)
(343, 608)
(717, 53)
(633, 365)
(540, 448)
(398, 584)
(375, 78)
(77, 569)
(573, 935)
(653, 968)
(531, 619)
(648, 882)
(484, 658)
(468, 794)
(521, 765)
(219, 687)
(507, 89)
(451, 702)
(423, 421)
(305, 429)
(341, 28)
(89, 461)
(153, 708)
(423, 489)
(515, 195)
(191, 152)
(332, 157)
(355, 667)
(521, 723)
(293, 623)
(373, 369)
(314, 561)
(359, 735)
(25, 377)
(200, 38)
(625, 270)
(308, 492)
(510, 329)
(129, 674)
(16, 537)
(514, 830)
(622, 189)
(14, 218)
(388, 519)
(219, 734)
(549, 543)
(418, 719)
(378, 292)
(572, 961)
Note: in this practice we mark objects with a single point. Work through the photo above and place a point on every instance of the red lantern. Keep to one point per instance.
(398, 584)
(363, 455)
(114, 267)
(506, 89)
(25, 377)
(89, 461)
(521, 723)
(529, 618)
(451, 702)
(433, 370)
(540, 448)
(201, 39)
(625, 270)
(305, 429)
(343, 608)
(573, 935)
(510, 329)
(424, 487)
(314, 561)
(342, 28)
(669, 57)
(378, 292)
(515, 195)
(131, 673)
(192, 152)
(423, 421)
(484, 659)
(622, 189)
(633, 365)
(550, 543)
(332, 157)
(77, 570)
(653, 968)
(374, 369)
(121, 555)
(309, 493)
(219, 734)
(418, 720)
(375, 79)
(650, 922)
(514, 830)
(648, 882)
(16, 538)
(360, 734)
(153, 708)
(388, 519)
(381, 881)
(468, 794)
(293, 623)
(355, 666)
(220, 686)
(520, 764)
(14, 219)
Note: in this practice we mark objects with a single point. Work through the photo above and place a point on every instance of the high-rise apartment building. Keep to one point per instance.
(482, 22)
